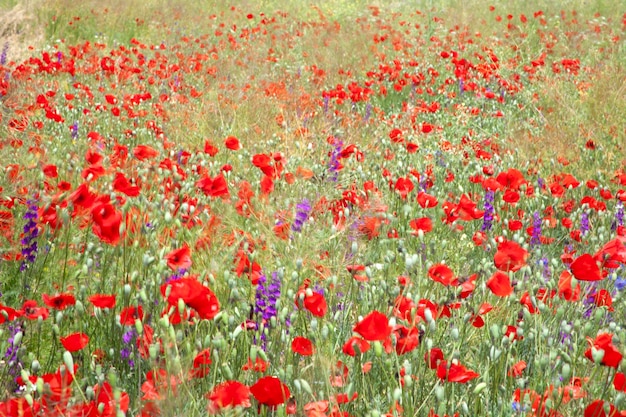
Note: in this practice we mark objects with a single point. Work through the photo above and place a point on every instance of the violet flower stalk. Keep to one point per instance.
(619, 216)
(584, 224)
(536, 233)
(302, 214)
(11, 356)
(489, 211)
(126, 352)
(3, 54)
(333, 164)
(31, 232)
(267, 295)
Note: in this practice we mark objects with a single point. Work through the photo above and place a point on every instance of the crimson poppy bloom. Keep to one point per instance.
(427, 200)
(102, 300)
(130, 314)
(228, 394)
(596, 409)
(374, 326)
(500, 284)
(106, 222)
(619, 382)
(232, 143)
(604, 341)
(433, 357)
(407, 339)
(214, 187)
(302, 346)
(316, 304)
(194, 294)
(75, 341)
(510, 256)
(259, 365)
(362, 344)
(179, 258)
(123, 185)
(143, 152)
(59, 301)
(201, 364)
(32, 311)
(270, 391)
(424, 224)
(585, 268)
(441, 273)
(455, 373)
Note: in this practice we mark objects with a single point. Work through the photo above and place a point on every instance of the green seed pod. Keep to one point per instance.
(480, 388)
(68, 360)
(440, 393)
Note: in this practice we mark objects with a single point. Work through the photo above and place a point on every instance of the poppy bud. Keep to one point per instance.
(69, 361)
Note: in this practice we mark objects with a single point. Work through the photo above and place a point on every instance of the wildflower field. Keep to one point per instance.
(312, 208)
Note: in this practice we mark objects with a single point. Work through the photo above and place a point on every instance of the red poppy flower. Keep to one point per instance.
(32, 311)
(619, 382)
(8, 314)
(433, 357)
(106, 222)
(143, 152)
(316, 304)
(228, 394)
(517, 369)
(407, 339)
(374, 326)
(102, 300)
(214, 187)
(500, 284)
(130, 314)
(259, 365)
(194, 294)
(123, 185)
(232, 143)
(566, 291)
(604, 341)
(60, 301)
(82, 197)
(427, 200)
(270, 391)
(441, 273)
(596, 409)
(585, 268)
(455, 373)
(362, 344)
(109, 402)
(404, 186)
(201, 364)
(75, 341)
(179, 258)
(50, 171)
(423, 223)
(510, 256)
(302, 346)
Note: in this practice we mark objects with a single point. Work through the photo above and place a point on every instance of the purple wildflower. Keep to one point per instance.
(74, 130)
(536, 234)
(265, 302)
(584, 224)
(489, 211)
(333, 164)
(3, 54)
(619, 216)
(302, 214)
(29, 241)
(11, 356)
(127, 351)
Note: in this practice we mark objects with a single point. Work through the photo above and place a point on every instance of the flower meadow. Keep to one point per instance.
(314, 211)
